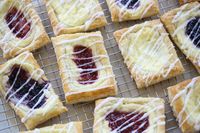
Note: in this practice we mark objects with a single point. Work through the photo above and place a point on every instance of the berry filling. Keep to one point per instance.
(83, 59)
(127, 122)
(129, 4)
(17, 22)
(25, 88)
(193, 31)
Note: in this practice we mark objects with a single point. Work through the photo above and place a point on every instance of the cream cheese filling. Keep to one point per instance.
(147, 51)
(73, 13)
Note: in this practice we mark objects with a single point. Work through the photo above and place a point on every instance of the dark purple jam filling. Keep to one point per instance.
(130, 4)
(193, 31)
(83, 59)
(127, 122)
(17, 22)
(20, 78)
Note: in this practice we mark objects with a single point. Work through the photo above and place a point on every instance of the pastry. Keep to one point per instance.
(122, 10)
(72, 127)
(20, 28)
(148, 53)
(72, 16)
(183, 24)
(27, 90)
(186, 1)
(185, 101)
(85, 69)
(129, 115)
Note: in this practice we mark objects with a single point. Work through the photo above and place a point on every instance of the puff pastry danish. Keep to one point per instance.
(185, 101)
(72, 127)
(21, 28)
(129, 115)
(71, 16)
(27, 90)
(122, 10)
(186, 1)
(148, 53)
(183, 25)
(84, 65)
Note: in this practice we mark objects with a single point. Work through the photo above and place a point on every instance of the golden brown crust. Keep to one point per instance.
(53, 106)
(178, 104)
(178, 68)
(37, 42)
(167, 19)
(71, 127)
(103, 106)
(84, 93)
(186, 1)
(58, 30)
(150, 9)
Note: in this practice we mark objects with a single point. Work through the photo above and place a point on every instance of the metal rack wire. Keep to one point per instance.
(10, 123)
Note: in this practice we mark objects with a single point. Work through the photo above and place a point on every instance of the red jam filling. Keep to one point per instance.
(127, 122)
(83, 59)
(17, 22)
(22, 84)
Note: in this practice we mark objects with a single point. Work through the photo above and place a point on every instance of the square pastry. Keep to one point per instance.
(186, 1)
(185, 101)
(72, 16)
(21, 28)
(123, 10)
(183, 24)
(71, 127)
(27, 90)
(129, 115)
(148, 52)
(85, 69)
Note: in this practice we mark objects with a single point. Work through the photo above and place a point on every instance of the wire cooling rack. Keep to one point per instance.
(10, 123)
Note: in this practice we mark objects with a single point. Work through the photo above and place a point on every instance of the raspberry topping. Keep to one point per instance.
(193, 31)
(22, 84)
(83, 59)
(127, 122)
(130, 4)
(17, 22)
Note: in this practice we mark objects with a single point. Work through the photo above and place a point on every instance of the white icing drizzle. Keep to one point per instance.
(186, 45)
(123, 8)
(77, 39)
(87, 23)
(185, 94)
(120, 101)
(29, 39)
(21, 87)
(155, 122)
(74, 72)
(147, 9)
(37, 74)
(157, 46)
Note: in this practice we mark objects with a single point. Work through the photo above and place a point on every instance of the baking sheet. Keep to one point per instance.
(10, 123)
